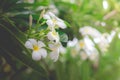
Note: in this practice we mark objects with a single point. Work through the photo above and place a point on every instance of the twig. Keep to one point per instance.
(110, 14)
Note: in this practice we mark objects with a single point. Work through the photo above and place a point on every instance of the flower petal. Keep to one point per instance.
(94, 55)
(50, 23)
(50, 36)
(46, 16)
(28, 44)
(55, 51)
(54, 46)
(53, 37)
(33, 41)
(41, 44)
(54, 55)
(51, 15)
(43, 52)
(61, 24)
(36, 55)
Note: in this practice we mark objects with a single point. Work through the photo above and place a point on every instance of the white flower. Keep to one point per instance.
(92, 54)
(37, 47)
(53, 36)
(85, 44)
(83, 55)
(53, 21)
(87, 49)
(105, 4)
(54, 54)
(52, 8)
(90, 49)
(80, 45)
(88, 43)
(87, 30)
(72, 43)
(62, 49)
(104, 43)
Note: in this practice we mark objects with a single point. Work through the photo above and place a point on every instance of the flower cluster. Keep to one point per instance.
(51, 40)
(85, 48)
(92, 44)
(102, 40)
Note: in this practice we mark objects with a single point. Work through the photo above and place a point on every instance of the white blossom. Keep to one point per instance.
(105, 4)
(53, 36)
(92, 54)
(53, 21)
(102, 40)
(72, 43)
(37, 47)
(85, 43)
(87, 30)
(54, 54)
(53, 9)
(87, 49)
(103, 44)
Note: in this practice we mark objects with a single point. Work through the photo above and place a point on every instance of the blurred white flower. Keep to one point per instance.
(88, 43)
(62, 49)
(53, 21)
(37, 47)
(53, 9)
(80, 45)
(54, 54)
(72, 1)
(105, 4)
(87, 49)
(103, 24)
(104, 41)
(53, 36)
(88, 30)
(93, 54)
(85, 44)
(72, 43)
(103, 44)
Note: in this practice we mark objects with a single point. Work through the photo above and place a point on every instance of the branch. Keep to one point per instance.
(110, 14)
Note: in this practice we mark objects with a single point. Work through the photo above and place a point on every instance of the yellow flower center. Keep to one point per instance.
(54, 21)
(86, 30)
(82, 44)
(35, 48)
(54, 33)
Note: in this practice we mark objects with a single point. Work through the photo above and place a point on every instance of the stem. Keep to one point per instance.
(110, 14)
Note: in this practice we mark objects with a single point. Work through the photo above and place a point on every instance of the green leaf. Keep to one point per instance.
(67, 23)
(63, 36)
